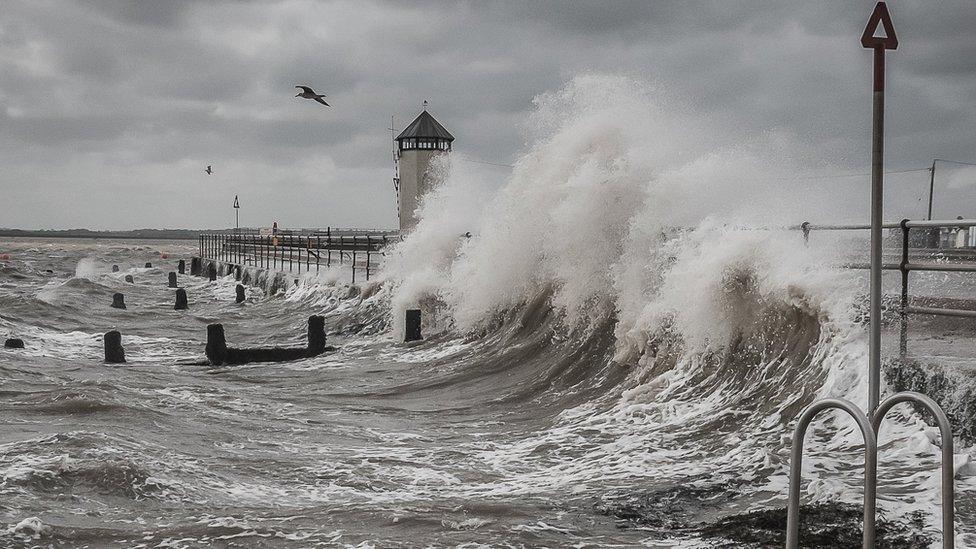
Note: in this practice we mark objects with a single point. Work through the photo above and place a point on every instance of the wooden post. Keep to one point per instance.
(118, 301)
(114, 353)
(241, 295)
(181, 266)
(172, 279)
(411, 330)
(216, 349)
(181, 303)
(316, 334)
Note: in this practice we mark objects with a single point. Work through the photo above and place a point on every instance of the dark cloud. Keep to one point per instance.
(111, 96)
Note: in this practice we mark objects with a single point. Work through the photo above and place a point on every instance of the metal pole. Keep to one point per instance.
(368, 245)
(931, 188)
(796, 470)
(877, 199)
(903, 335)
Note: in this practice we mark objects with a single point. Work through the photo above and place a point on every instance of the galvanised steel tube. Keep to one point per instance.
(942, 224)
(877, 213)
(948, 490)
(940, 312)
(796, 469)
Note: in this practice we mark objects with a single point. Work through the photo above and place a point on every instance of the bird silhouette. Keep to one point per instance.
(309, 93)
(209, 170)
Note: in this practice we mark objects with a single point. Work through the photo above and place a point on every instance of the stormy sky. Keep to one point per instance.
(110, 110)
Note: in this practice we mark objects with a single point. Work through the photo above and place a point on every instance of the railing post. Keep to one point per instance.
(903, 267)
(368, 246)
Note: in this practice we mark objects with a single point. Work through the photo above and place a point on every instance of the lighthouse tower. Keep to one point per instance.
(417, 146)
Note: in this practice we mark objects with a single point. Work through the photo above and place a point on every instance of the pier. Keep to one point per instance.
(299, 251)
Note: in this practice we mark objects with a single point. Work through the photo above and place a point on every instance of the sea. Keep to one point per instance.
(617, 343)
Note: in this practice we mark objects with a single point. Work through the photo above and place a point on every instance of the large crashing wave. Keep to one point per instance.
(594, 212)
(627, 211)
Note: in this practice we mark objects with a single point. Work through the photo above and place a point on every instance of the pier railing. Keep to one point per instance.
(299, 251)
(907, 265)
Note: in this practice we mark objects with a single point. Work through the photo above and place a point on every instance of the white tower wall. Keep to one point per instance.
(416, 179)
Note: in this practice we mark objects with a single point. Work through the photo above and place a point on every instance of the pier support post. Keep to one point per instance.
(316, 335)
(115, 268)
(14, 343)
(412, 328)
(172, 279)
(241, 295)
(114, 353)
(181, 266)
(118, 301)
(216, 344)
(181, 303)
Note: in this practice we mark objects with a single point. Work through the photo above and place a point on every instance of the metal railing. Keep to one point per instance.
(907, 266)
(298, 252)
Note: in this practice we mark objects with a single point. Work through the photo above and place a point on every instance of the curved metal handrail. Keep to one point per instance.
(945, 430)
(796, 465)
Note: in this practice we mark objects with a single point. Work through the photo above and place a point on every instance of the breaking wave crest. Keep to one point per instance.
(645, 247)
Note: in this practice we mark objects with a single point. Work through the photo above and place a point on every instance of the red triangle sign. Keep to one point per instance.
(880, 17)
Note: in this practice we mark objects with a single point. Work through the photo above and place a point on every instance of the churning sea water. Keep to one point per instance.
(591, 376)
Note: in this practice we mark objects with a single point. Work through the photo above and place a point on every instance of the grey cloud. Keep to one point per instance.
(118, 92)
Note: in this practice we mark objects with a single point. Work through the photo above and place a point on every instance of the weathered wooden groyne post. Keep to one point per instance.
(411, 330)
(115, 268)
(118, 301)
(114, 353)
(316, 335)
(241, 295)
(129, 279)
(216, 349)
(212, 272)
(148, 265)
(172, 280)
(195, 266)
(181, 266)
(14, 343)
(181, 303)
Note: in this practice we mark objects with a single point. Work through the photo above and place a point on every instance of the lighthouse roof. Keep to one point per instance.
(425, 126)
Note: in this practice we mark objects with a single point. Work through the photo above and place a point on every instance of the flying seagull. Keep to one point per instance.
(209, 170)
(309, 93)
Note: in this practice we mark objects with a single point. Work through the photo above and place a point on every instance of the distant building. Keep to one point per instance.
(417, 146)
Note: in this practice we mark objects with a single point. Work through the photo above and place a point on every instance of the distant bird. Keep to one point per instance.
(309, 93)
(209, 170)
